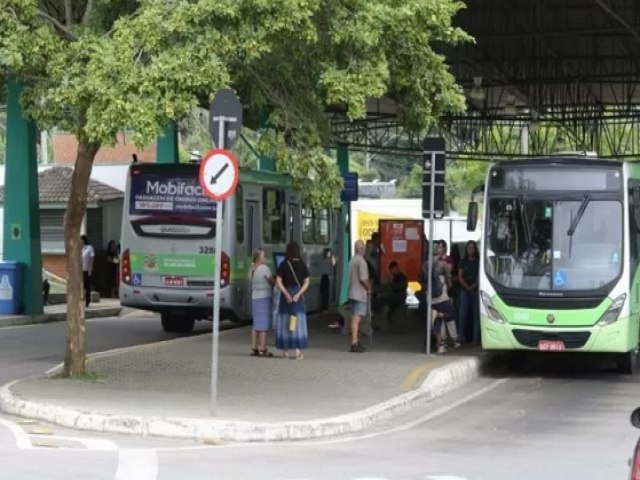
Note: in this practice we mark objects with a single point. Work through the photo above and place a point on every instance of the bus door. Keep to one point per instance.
(252, 212)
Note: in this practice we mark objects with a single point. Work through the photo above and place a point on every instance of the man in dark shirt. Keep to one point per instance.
(397, 288)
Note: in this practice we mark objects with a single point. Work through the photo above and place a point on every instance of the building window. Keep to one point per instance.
(52, 231)
(273, 216)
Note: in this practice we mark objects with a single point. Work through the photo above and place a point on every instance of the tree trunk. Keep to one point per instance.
(68, 13)
(75, 351)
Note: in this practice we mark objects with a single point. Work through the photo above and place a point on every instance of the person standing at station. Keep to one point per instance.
(292, 279)
(46, 288)
(359, 289)
(262, 305)
(88, 256)
(469, 299)
(113, 264)
(447, 309)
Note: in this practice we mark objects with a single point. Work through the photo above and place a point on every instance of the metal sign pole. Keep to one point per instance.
(432, 194)
(216, 288)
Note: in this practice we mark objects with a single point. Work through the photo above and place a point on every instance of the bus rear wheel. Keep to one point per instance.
(628, 362)
(177, 323)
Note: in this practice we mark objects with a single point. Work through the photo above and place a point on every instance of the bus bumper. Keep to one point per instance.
(170, 299)
(618, 337)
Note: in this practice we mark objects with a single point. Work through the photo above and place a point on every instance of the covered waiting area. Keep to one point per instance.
(553, 74)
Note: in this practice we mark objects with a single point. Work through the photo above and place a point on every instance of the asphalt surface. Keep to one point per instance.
(559, 418)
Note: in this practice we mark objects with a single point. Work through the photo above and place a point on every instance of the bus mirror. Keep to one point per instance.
(472, 216)
(635, 418)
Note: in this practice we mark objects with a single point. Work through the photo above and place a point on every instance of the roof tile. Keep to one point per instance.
(54, 185)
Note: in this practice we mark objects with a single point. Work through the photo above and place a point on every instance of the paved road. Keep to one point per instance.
(546, 422)
(31, 350)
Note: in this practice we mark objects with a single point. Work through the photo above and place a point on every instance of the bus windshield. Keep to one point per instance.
(553, 245)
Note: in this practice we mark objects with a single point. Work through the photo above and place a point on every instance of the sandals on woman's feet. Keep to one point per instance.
(254, 352)
(266, 353)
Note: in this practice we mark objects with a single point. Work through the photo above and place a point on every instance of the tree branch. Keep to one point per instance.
(64, 30)
(88, 11)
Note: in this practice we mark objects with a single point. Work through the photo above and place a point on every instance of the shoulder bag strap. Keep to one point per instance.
(294, 275)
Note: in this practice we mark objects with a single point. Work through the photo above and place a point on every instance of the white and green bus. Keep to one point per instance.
(167, 245)
(561, 246)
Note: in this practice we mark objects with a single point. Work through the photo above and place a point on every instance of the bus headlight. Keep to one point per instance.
(492, 312)
(613, 312)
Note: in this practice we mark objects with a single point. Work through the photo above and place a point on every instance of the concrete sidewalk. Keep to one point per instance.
(163, 388)
(106, 307)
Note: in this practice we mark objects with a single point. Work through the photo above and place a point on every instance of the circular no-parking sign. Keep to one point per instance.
(219, 174)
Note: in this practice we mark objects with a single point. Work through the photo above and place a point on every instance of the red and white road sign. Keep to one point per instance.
(219, 174)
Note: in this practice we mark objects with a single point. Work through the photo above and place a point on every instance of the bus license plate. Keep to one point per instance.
(174, 281)
(551, 345)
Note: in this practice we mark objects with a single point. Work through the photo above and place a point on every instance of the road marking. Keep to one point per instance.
(94, 444)
(45, 444)
(440, 411)
(443, 477)
(22, 439)
(418, 372)
(138, 464)
(404, 427)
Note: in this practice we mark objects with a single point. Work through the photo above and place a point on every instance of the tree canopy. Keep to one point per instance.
(96, 67)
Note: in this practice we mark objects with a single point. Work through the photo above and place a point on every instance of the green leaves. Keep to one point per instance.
(139, 64)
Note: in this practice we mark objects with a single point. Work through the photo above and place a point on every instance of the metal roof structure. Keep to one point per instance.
(572, 66)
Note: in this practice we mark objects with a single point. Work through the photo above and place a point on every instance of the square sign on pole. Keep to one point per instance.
(225, 119)
(434, 154)
(350, 190)
(432, 207)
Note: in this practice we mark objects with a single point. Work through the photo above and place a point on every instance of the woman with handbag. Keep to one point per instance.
(292, 279)
(261, 301)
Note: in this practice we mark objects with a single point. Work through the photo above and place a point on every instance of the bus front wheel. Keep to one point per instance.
(176, 323)
(628, 362)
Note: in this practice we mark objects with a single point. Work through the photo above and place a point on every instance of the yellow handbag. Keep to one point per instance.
(293, 320)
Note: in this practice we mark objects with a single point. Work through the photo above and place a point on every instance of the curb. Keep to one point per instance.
(18, 320)
(439, 382)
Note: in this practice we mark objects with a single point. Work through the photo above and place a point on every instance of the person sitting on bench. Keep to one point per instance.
(397, 296)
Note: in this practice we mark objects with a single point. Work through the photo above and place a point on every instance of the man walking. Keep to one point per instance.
(359, 288)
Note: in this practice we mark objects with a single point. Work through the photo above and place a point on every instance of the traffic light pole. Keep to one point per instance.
(432, 194)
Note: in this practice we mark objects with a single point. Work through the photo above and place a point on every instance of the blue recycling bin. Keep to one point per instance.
(10, 287)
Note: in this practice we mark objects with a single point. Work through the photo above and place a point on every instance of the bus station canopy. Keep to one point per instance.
(574, 63)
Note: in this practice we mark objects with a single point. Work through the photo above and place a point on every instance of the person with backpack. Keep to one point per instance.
(442, 310)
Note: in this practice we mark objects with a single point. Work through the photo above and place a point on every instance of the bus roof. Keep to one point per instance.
(561, 159)
(247, 175)
(265, 178)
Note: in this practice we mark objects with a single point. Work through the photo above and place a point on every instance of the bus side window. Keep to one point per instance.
(322, 226)
(239, 198)
(273, 216)
(308, 227)
(294, 223)
(634, 233)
